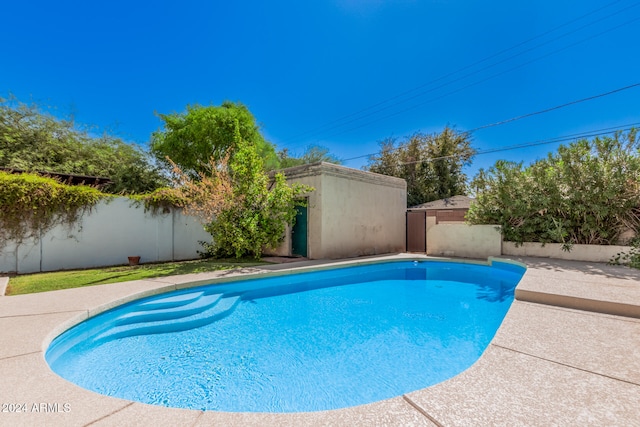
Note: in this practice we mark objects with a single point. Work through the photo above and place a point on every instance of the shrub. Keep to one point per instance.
(31, 205)
(587, 193)
(631, 258)
(161, 199)
(242, 210)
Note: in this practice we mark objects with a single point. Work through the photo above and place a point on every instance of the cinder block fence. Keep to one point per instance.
(108, 234)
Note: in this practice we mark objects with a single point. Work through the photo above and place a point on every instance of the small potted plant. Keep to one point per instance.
(134, 260)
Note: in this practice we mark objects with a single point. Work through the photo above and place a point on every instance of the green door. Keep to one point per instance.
(299, 233)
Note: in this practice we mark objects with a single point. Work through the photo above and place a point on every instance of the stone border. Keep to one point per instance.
(578, 303)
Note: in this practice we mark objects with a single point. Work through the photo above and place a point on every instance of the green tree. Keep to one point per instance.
(431, 164)
(313, 154)
(588, 192)
(191, 138)
(32, 140)
(243, 211)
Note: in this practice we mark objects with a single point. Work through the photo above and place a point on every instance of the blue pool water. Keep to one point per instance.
(303, 342)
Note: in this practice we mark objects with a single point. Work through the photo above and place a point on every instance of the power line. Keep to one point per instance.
(485, 79)
(342, 119)
(565, 138)
(463, 77)
(557, 107)
(454, 72)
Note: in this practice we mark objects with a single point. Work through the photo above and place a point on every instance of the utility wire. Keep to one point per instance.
(456, 71)
(565, 138)
(465, 76)
(557, 107)
(513, 119)
(485, 79)
(323, 127)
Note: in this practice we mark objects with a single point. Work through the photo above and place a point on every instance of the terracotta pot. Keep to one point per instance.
(134, 260)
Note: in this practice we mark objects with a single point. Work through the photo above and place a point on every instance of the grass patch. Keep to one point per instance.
(43, 282)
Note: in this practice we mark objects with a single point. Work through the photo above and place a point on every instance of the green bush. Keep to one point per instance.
(243, 211)
(586, 193)
(631, 258)
(161, 199)
(32, 204)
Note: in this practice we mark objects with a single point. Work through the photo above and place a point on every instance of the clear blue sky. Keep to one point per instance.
(303, 66)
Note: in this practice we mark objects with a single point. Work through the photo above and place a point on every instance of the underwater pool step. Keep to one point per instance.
(223, 308)
(172, 301)
(196, 306)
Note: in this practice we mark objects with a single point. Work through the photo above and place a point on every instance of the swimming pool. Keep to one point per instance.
(302, 342)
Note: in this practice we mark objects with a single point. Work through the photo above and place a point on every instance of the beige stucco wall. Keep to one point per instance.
(363, 213)
(462, 240)
(593, 253)
(351, 212)
(431, 221)
(107, 235)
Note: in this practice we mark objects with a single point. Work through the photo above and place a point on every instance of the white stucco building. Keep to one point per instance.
(350, 213)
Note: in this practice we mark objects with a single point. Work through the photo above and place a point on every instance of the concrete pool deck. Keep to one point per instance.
(567, 353)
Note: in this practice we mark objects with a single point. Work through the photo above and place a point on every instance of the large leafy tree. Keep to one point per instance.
(244, 211)
(430, 163)
(191, 138)
(588, 192)
(313, 154)
(33, 140)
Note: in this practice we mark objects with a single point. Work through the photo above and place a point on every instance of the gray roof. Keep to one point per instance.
(455, 202)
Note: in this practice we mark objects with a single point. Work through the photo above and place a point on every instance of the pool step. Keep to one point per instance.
(222, 308)
(172, 301)
(194, 306)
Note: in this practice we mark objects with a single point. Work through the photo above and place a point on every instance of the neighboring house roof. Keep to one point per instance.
(455, 202)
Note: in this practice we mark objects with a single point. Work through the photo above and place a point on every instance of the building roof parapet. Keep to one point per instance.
(330, 169)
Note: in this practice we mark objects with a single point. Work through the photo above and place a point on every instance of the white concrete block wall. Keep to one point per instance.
(592, 253)
(107, 235)
(462, 240)
(187, 232)
(25, 257)
(482, 241)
